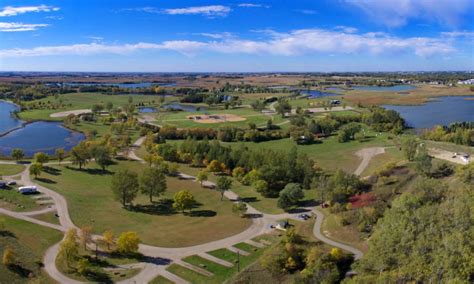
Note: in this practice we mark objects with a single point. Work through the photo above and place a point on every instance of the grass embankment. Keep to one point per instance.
(12, 200)
(91, 202)
(10, 169)
(221, 273)
(29, 242)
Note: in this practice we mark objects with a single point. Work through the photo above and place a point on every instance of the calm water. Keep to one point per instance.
(183, 107)
(396, 88)
(40, 136)
(317, 94)
(7, 120)
(147, 109)
(442, 111)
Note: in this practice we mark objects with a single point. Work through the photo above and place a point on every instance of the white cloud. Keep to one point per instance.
(216, 35)
(396, 13)
(13, 11)
(306, 11)
(210, 11)
(455, 34)
(346, 29)
(298, 42)
(19, 27)
(251, 5)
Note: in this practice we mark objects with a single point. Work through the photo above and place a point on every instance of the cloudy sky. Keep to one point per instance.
(291, 35)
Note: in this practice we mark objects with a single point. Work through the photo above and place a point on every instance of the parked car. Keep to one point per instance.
(12, 182)
(3, 185)
(304, 216)
(28, 189)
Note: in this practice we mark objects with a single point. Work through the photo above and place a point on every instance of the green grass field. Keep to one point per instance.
(12, 200)
(91, 202)
(8, 170)
(29, 242)
(75, 101)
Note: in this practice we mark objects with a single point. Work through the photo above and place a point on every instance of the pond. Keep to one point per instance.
(439, 111)
(396, 88)
(183, 107)
(147, 109)
(8, 121)
(312, 94)
(39, 136)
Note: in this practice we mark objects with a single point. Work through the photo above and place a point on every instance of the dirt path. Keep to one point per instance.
(448, 156)
(367, 154)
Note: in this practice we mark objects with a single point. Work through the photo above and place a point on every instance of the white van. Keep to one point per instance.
(27, 189)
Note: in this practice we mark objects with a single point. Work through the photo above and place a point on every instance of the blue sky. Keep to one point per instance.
(236, 36)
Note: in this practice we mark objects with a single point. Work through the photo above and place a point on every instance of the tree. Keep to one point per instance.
(102, 156)
(60, 153)
(41, 158)
(283, 107)
(80, 154)
(214, 166)
(9, 258)
(86, 236)
(173, 169)
(109, 106)
(69, 249)
(261, 187)
(84, 266)
(290, 196)
(108, 238)
(153, 182)
(239, 208)
(423, 161)
(18, 154)
(202, 176)
(125, 186)
(36, 169)
(466, 173)
(409, 146)
(223, 184)
(183, 200)
(128, 242)
(238, 173)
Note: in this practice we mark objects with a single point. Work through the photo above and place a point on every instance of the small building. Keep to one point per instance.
(282, 225)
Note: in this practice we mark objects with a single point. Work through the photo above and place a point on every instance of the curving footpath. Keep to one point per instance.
(160, 258)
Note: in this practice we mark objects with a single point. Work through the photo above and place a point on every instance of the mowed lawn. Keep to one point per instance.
(180, 120)
(29, 242)
(91, 202)
(10, 169)
(75, 101)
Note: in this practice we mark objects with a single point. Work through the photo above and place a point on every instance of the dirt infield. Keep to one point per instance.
(215, 118)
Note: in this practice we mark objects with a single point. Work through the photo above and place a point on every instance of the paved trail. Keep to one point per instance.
(160, 258)
(367, 154)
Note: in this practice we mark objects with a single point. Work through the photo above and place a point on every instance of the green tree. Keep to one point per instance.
(41, 158)
(60, 154)
(36, 169)
(108, 238)
(18, 154)
(84, 266)
(409, 146)
(283, 107)
(202, 176)
(153, 182)
(183, 200)
(8, 258)
(80, 154)
(223, 184)
(290, 196)
(239, 208)
(102, 156)
(128, 242)
(125, 186)
(423, 161)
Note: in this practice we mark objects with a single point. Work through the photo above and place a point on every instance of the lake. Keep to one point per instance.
(39, 136)
(8, 120)
(396, 88)
(183, 107)
(147, 109)
(312, 94)
(440, 111)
